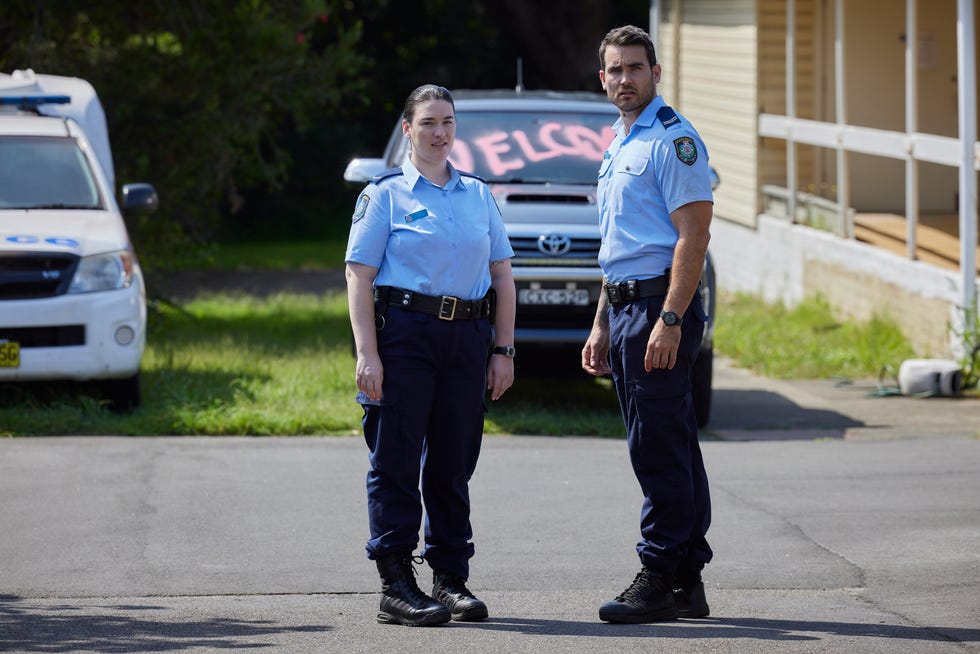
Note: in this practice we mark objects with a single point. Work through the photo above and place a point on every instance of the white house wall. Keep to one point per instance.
(709, 76)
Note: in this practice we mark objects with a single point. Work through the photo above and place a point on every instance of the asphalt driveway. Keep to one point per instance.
(841, 523)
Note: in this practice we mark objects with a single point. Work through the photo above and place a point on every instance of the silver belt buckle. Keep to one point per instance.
(447, 311)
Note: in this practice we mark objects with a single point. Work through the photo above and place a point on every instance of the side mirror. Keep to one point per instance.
(361, 170)
(141, 198)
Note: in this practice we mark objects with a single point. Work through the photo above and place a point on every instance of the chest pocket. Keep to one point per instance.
(604, 166)
(634, 165)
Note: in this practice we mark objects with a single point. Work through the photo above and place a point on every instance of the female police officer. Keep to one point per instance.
(426, 246)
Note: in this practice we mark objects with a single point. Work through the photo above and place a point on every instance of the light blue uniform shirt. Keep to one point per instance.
(643, 177)
(432, 240)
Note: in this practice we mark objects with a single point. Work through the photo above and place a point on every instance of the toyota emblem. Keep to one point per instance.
(554, 244)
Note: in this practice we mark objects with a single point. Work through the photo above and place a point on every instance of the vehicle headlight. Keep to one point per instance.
(103, 272)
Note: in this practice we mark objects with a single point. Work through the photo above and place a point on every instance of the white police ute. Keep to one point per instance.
(72, 298)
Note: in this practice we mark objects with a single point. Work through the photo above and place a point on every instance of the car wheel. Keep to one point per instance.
(123, 394)
(701, 385)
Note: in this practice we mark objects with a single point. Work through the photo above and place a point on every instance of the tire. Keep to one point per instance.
(123, 395)
(701, 385)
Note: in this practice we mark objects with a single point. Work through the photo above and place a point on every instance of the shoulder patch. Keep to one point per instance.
(686, 149)
(465, 174)
(668, 118)
(391, 172)
(361, 208)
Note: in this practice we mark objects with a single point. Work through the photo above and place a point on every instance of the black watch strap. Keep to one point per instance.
(506, 350)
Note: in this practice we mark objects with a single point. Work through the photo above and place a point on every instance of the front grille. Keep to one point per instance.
(555, 317)
(581, 252)
(60, 336)
(31, 275)
(528, 198)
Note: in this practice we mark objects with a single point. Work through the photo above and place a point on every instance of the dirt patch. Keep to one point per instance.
(186, 284)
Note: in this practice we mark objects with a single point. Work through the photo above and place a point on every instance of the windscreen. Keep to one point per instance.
(527, 147)
(562, 148)
(38, 172)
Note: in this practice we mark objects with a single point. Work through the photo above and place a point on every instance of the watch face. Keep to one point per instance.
(669, 317)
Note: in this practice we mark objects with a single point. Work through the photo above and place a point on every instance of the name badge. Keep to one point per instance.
(418, 215)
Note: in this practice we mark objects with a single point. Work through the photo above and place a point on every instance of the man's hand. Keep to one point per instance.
(662, 347)
(595, 354)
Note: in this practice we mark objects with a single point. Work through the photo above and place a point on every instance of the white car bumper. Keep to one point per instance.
(105, 334)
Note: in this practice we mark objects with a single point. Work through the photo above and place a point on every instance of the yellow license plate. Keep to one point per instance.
(9, 354)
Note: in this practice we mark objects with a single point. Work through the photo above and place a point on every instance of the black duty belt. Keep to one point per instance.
(444, 307)
(634, 289)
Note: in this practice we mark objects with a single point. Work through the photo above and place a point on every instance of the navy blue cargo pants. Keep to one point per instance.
(662, 436)
(429, 421)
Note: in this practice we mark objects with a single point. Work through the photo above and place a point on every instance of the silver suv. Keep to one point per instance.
(540, 152)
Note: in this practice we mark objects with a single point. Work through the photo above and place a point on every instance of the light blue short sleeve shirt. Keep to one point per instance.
(432, 240)
(644, 176)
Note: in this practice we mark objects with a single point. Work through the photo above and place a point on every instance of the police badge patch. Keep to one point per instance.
(686, 150)
(361, 208)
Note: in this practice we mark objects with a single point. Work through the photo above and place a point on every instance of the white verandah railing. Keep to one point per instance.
(910, 146)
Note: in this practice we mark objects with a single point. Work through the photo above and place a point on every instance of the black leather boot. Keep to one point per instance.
(452, 591)
(648, 599)
(690, 599)
(402, 601)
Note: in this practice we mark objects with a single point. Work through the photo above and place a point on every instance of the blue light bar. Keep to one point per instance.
(33, 100)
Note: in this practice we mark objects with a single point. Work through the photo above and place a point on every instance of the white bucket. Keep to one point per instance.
(930, 377)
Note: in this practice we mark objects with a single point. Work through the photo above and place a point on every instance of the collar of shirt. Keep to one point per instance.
(647, 118)
(412, 176)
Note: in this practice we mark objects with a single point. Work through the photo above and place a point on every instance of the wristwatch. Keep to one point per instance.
(670, 318)
(506, 350)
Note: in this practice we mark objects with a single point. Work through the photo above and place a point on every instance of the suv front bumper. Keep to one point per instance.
(76, 337)
(552, 305)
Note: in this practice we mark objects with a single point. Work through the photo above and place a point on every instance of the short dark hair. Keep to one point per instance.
(627, 35)
(423, 94)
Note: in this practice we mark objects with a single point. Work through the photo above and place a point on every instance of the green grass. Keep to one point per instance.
(235, 364)
(225, 365)
(271, 255)
(806, 341)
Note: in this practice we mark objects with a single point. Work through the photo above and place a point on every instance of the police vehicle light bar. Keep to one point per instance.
(34, 100)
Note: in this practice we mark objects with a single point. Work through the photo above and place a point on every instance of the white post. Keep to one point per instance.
(675, 28)
(655, 23)
(911, 126)
(843, 173)
(791, 107)
(966, 73)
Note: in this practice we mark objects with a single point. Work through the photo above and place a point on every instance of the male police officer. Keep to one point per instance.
(655, 207)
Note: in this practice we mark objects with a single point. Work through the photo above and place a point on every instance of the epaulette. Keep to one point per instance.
(667, 117)
(465, 174)
(380, 177)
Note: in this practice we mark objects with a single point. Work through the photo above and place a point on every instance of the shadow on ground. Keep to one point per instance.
(114, 628)
(764, 410)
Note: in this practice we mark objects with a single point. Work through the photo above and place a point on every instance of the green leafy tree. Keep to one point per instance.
(460, 45)
(243, 113)
(196, 93)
